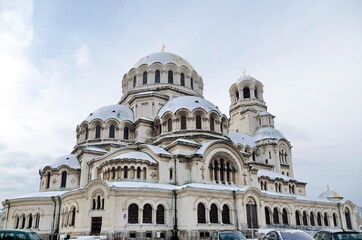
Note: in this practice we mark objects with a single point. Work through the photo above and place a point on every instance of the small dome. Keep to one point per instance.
(117, 111)
(267, 132)
(69, 160)
(188, 102)
(331, 195)
(246, 77)
(164, 58)
(264, 114)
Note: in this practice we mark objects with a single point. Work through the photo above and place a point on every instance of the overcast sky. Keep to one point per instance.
(61, 60)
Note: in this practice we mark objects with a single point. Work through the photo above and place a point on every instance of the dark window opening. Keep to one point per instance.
(214, 214)
(48, 180)
(182, 79)
(198, 122)
(246, 92)
(147, 213)
(134, 81)
(126, 133)
(212, 124)
(144, 78)
(183, 122)
(133, 213)
(160, 214)
(225, 214)
(157, 76)
(98, 131)
(201, 218)
(64, 179)
(192, 83)
(276, 216)
(267, 215)
(111, 131)
(170, 76)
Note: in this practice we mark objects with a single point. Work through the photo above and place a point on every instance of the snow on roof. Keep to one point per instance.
(69, 160)
(214, 187)
(187, 102)
(203, 147)
(264, 114)
(330, 194)
(164, 58)
(117, 111)
(136, 155)
(241, 138)
(273, 175)
(41, 194)
(182, 140)
(267, 132)
(95, 149)
(158, 150)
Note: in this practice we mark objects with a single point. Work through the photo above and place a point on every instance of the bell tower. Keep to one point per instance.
(247, 101)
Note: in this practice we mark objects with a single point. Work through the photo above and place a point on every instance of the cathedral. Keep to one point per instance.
(165, 163)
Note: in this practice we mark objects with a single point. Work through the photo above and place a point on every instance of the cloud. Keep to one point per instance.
(82, 55)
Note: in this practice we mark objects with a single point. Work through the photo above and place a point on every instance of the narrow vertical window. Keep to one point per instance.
(251, 213)
(297, 218)
(144, 78)
(98, 202)
(37, 220)
(138, 172)
(98, 131)
(125, 172)
(326, 223)
(267, 215)
(225, 214)
(237, 95)
(212, 124)
(256, 93)
(30, 223)
(347, 215)
(319, 219)
(170, 76)
(192, 83)
(183, 123)
(171, 173)
(214, 214)
(86, 133)
(111, 131)
(157, 76)
(134, 81)
(17, 222)
(285, 217)
(169, 125)
(246, 92)
(201, 217)
(126, 133)
(48, 180)
(276, 216)
(335, 220)
(198, 122)
(147, 213)
(182, 79)
(160, 214)
(73, 217)
(64, 179)
(305, 221)
(133, 213)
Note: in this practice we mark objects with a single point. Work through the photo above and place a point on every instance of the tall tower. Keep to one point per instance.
(246, 102)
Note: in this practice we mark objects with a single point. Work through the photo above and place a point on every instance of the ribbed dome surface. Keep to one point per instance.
(189, 103)
(69, 160)
(267, 132)
(164, 58)
(117, 112)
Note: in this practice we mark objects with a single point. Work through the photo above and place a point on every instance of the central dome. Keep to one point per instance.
(164, 58)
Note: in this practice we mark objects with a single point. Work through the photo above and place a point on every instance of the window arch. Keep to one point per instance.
(30, 223)
(126, 133)
(98, 131)
(225, 214)
(138, 173)
(335, 219)
(246, 92)
(16, 222)
(23, 221)
(312, 219)
(285, 217)
(326, 223)
(182, 79)
(347, 215)
(305, 221)
(170, 76)
(198, 122)
(72, 223)
(111, 131)
(125, 172)
(251, 213)
(237, 95)
(214, 214)
(64, 179)
(157, 76)
(86, 133)
(297, 218)
(134, 81)
(169, 125)
(276, 216)
(267, 215)
(183, 123)
(222, 170)
(201, 216)
(144, 78)
(191, 83)
(147, 213)
(256, 92)
(319, 219)
(133, 213)
(37, 220)
(212, 124)
(160, 214)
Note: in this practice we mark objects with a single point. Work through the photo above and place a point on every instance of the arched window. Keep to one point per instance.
(326, 223)
(170, 76)
(16, 222)
(64, 179)
(111, 131)
(267, 215)
(347, 215)
(214, 214)
(157, 76)
(98, 131)
(30, 223)
(86, 133)
(134, 81)
(48, 180)
(297, 218)
(276, 216)
(201, 217)
(133, 213)
(312, 219)
(256, 93)
(126, 133)
(305, 222)
(23, 222)
(285, 217)
(319, 219)
(37, 220)
(113, 171)
(251, 213)
(198, 122)
(147, 213)
(171, 173)
(102, 203)
(138, 172)
(160, 214)
(169, 125)
(222, 127)
(335, 220)
(94, 204)
(192, 83)
(237, 95)
(212, 124)
(98, 202)
(246, 92)
(225, 214)
(72, 223)
(182, 79)
(125, 172)
(183, 123)
(144, 78)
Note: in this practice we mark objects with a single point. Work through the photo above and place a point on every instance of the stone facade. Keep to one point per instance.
(165, 162)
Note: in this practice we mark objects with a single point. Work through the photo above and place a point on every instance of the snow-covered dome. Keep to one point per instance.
(246, 77)
(117, 111)
(267, 132)
(164, 58)
(69, 160)
(331, 195)
(188, 102)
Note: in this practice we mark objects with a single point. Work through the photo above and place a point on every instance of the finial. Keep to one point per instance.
(327, 187)
(244, 73)
(163, 48)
